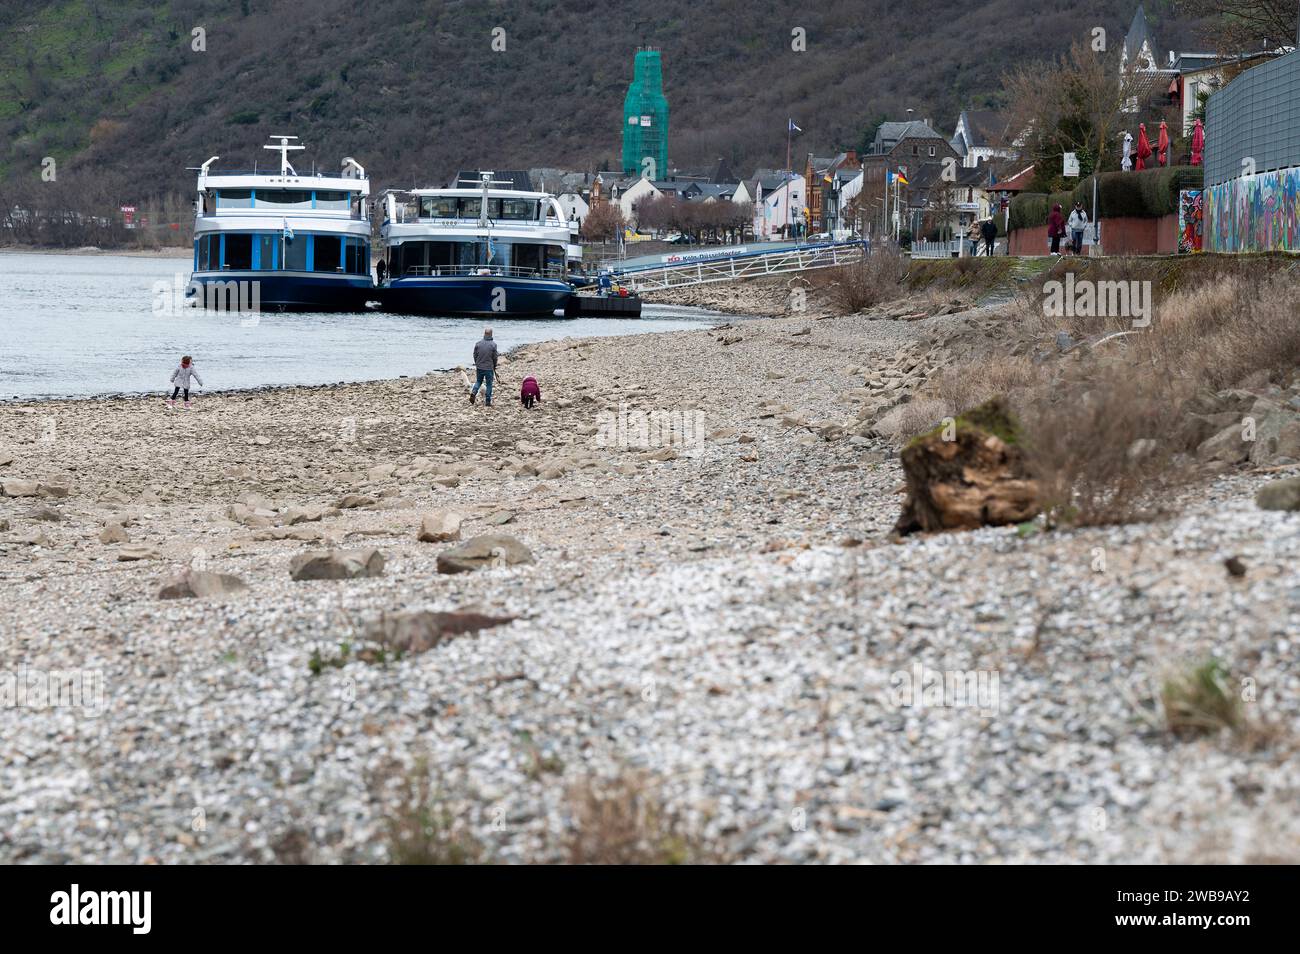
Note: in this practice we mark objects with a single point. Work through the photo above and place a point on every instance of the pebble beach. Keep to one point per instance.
(710, 596)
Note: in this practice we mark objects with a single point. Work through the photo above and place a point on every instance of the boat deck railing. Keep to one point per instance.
(485, 271)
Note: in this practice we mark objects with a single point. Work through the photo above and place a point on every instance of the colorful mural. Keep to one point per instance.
(1191, 220)
(1259, 213)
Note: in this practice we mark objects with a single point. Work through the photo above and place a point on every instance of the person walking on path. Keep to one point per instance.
(1056, 228)
(973, 235)
(181, 378)
(1077, 224)
(990, 233)
(485, 364)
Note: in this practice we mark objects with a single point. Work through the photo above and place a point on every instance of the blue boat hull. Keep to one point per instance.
(474, 295)
(286, 291)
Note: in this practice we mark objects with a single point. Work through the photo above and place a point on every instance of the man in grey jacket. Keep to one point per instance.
(485, 363)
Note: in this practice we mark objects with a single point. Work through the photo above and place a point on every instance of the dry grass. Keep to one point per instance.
(1104, 425)
(625, 821)
(902, 423)
(1197, 701)
(424, 829)
(971, 383)
(1099, 443)
(621, 820)
(855, 287)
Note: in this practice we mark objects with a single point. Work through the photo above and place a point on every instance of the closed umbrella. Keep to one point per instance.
(1143, 148)
(1198, 143)
(1162, 144)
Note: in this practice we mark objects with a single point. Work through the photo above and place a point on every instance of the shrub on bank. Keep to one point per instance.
(1151, 193)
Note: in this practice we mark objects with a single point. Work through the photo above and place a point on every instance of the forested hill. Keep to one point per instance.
(415, 90)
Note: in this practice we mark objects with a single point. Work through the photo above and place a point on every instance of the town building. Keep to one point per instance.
(982, 135)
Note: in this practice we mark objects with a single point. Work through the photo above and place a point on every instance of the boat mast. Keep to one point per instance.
(283, 149)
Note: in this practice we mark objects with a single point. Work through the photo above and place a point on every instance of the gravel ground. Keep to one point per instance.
(731, 620)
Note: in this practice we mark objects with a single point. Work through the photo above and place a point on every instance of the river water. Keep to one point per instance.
(86, 325)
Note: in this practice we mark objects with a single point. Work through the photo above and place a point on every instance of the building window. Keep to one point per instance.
(932, 151)
(916, 151)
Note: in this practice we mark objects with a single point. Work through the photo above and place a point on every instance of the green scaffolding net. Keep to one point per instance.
(645, 119)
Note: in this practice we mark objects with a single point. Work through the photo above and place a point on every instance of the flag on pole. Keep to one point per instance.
(900, 177)
(793, 127)
(287, 232)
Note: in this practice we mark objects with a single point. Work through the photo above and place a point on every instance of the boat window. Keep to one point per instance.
(285, 198)
(468, 208)
(295, 253)
(328, 254)
(234, 198)
(268, 243)
(205, 246)
(437, 207)
(334, 201)
(239, 251)
(555, 259)
(527, 256)
(358, 256)
(519, 210)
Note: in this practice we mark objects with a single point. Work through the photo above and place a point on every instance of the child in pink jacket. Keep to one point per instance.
(529, 392)
(181, 378)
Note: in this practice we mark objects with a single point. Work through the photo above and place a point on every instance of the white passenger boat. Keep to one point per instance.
(301, 242)
(475, 251)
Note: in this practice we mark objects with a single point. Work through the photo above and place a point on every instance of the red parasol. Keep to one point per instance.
(1162, 144)
(1143, 149)
(1198, 144)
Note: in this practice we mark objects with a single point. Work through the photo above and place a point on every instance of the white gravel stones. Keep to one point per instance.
(694, 618)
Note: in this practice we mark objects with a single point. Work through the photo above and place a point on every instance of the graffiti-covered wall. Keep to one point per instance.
(1259, 213)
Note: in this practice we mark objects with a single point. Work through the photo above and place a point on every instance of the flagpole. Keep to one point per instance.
(789, 136)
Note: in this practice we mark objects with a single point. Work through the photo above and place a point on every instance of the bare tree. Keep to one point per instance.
(1074, 103)
(603, 223)
(1243, 26)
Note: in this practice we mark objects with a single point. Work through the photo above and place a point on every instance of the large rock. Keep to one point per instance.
(419, 631)
(353, 501)
(201, 583)
(489, 549)
(302, 515)
(130, 554)
(1271, 419)
(1279, 495)
(978, 478)
(57, 489)
(17, 487)
(337, 565)
(250, 517)
(440, 526)
(1226, 446)
(113, 532)
(304, 534)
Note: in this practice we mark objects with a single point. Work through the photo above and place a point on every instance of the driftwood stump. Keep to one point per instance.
(967, 473)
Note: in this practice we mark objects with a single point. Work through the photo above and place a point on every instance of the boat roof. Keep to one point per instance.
(277, 181)
(477, 193)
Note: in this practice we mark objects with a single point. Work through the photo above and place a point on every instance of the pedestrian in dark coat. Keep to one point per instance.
(1056, 228)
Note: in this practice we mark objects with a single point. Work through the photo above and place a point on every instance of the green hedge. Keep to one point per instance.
(1139, 195)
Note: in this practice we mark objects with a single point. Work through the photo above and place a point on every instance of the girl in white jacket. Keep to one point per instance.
(181, 378)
